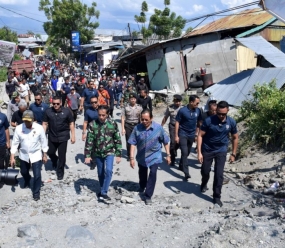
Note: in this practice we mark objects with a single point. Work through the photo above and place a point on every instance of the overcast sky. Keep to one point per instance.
(113, 14)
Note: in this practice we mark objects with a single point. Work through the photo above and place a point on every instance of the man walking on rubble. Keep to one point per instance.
(213, 139)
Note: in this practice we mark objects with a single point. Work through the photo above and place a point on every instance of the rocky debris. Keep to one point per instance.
(79, 233)
(125, 199)
(29, 231)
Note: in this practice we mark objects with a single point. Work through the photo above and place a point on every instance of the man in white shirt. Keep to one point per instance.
(60, 82)
(33, 148)
(24, 91)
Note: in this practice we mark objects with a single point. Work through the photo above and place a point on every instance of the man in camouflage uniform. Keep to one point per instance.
(103, 144)
(46, 95)
(171, 112)
(126, 95)
(132, 81)
(130, 118)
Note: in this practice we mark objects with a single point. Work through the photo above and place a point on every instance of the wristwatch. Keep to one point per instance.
(168, 155)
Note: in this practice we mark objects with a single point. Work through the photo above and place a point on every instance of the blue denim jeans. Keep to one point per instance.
(36, 167)
(118, 98)
(105, 172)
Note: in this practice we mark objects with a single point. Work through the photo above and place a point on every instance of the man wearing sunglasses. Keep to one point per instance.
(86, 96)
(59, 120)
(187, 124)
(213, 139)
(38, 108)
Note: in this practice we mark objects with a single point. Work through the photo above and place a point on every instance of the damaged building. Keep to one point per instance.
(175, 64)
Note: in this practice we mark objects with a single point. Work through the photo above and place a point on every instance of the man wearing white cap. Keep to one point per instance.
(32, 153)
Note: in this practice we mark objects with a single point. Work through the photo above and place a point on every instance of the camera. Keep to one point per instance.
(8, 177)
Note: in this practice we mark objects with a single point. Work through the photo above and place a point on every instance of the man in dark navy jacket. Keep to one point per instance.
(212, 145)
(188, 120)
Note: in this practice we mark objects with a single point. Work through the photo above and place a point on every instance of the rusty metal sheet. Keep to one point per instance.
(247, 18)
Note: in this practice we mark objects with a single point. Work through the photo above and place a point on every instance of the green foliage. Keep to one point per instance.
(8, 35)
(53, 51)
(17, 57)
(163, 23)
(65, 16)
(188, 30)
(3, 74)
(265, 115)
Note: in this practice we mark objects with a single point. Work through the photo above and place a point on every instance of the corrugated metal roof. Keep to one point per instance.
(239, 87)
(262, 47)
(247, 18)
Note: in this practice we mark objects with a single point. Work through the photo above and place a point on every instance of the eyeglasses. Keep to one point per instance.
(101, 87)
(36, 99)
(91, 84)
(221, 114)
(94, 102)
(145, 120)
(55, 103)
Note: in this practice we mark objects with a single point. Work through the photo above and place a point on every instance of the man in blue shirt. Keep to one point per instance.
(4, 139)
(148, 137)
(212, 145)
(65, 90)
(86, 96)
(38, 108)
(119, 90)
(188, 120)
(54, 83)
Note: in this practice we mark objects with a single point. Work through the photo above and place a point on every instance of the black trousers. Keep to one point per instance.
(185, 146)
(129, 128)
(148, 182)
(220, 159)
(2, 156)
(58, 161)
(173, 144)
(63, 99)
(74, 112)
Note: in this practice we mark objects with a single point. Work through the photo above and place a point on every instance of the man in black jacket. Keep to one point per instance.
(144, 100)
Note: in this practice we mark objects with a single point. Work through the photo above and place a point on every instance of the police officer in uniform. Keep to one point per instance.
(171, 112)
(130, 118)
(126, 95)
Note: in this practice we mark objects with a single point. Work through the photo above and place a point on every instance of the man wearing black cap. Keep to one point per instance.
(171, 112)
(72, 102)
(33, 153)
(130, 118)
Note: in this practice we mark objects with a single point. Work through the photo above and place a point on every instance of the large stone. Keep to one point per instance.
(30, 231)
(126, 199)
(79, 233)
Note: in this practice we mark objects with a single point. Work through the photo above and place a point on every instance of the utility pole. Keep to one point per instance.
(132, 42)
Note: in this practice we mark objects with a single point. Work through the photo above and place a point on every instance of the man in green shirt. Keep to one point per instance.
(103, 144)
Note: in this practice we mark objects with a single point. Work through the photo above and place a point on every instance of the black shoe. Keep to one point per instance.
(93, 165)
(36, 198)
(187, 177)
(218, 201)
(59, 178)
(105, 197)
(98, 195)
(204, 188)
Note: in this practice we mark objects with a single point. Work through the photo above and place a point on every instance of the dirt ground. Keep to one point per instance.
(69, 215)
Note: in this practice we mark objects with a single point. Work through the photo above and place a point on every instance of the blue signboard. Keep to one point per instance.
(75, 41)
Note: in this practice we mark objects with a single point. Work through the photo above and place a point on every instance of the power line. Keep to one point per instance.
(21, 14)
(26, 12)
(223, 11)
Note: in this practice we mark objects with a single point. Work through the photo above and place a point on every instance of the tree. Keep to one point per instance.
(8, 35)
(188, 30)
(65, 16)
(29, 32)
(165, 24)
(162, 23)
(146, 32)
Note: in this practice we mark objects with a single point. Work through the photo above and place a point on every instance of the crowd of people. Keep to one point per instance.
(60, 92)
